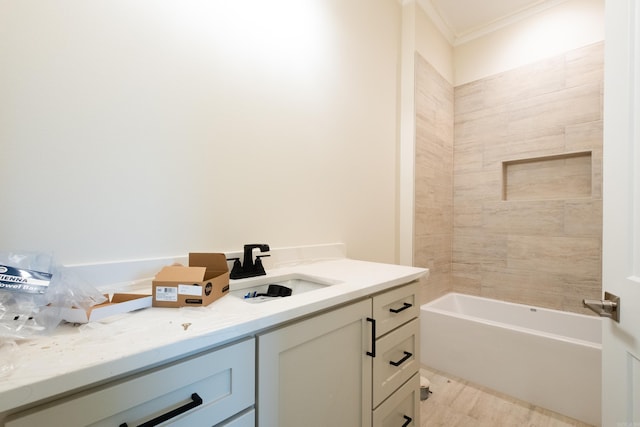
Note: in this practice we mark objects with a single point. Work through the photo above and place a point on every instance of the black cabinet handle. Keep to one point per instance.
(407, 422)
(404, 307)
(406, 357)
(195, 401)
(372, 353)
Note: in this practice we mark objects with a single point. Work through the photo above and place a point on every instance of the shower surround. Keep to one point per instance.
(433, 213)
(525, 172)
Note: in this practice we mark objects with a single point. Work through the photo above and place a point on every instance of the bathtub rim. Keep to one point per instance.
(429, 307)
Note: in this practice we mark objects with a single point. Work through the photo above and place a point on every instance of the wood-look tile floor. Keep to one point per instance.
(458, 403)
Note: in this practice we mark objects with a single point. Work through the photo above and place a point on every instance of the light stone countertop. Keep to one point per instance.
(75, 357)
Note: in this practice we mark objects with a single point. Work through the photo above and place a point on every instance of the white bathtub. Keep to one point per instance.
(546, 357)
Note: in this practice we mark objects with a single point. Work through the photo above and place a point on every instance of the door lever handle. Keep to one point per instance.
(608, 307)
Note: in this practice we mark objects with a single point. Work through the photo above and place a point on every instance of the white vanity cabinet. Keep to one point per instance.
(208, 389)
(315, 373)
(353, 366)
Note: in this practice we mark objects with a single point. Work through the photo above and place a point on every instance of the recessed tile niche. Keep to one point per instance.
(563, 176)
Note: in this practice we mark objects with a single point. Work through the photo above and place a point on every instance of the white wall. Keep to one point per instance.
(157, 127)
(433, 46)
(406, 149)
(568, 25)
(419, 35)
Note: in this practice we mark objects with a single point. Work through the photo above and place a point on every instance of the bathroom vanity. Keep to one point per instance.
(336, 368)
(343, 354)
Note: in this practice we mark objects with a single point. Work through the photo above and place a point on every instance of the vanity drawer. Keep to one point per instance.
(203, 390)
(402, 408)
(396, 307)
(396, 360)
(247, 419)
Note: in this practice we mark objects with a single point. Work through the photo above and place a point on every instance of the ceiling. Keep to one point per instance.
(463, 20)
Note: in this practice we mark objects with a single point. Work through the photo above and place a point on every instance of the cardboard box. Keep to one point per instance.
(205, 280)
(119, 303)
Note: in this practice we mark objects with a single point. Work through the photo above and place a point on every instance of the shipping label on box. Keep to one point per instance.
(166, 293)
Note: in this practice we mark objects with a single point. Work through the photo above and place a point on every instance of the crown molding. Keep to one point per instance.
(456, 39)
(438, 20)
(505, 21)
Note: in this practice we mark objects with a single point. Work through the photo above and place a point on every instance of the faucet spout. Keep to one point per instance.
(607, 307)
(249, 268)
(248, 254)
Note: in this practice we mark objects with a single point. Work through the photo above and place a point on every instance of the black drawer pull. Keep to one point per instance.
(404, 307)
(406, 357)
(407, 422)
(196, 401)
(372, 353)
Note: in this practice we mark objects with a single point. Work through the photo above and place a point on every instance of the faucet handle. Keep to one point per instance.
(237, 267)
(258, 265)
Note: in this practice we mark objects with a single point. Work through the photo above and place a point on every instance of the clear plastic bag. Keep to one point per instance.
(7, 357)
(27, 310)
(23, 314)
(17, 309)
(66, 290)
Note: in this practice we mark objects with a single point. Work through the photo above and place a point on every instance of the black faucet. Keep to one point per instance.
(249, 268)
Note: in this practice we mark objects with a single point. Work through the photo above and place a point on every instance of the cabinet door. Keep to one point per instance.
(222, 381)
(316, 372)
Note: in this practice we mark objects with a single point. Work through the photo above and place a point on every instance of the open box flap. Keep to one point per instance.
(119, 304)
(178, 273)
(213, 262)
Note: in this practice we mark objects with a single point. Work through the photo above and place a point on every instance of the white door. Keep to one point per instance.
(621, 210)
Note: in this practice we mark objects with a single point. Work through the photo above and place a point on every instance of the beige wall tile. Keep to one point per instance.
(467, 214)
(486, 125)
(543, 249)
(480, 248)
(583, 136)
(433, 211)
(554, 254)
(570, 106)
(583, 218)
(466, 278)
(433, 216)
(545, 217)
(434, 251)
(485, 185)
(468, 157)
(434, 286)
(438, 282)
(495, 217)
(539, 142)
(540, 78)
(470, 97)
(524, 287)
(585, 65)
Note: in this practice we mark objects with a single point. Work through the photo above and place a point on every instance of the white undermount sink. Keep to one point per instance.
(298, 283)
